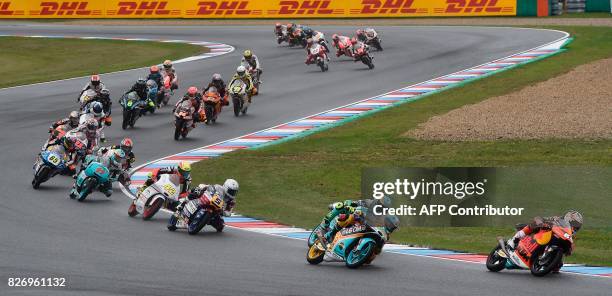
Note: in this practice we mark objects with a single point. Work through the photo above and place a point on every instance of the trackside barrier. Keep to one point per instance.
(253, 8)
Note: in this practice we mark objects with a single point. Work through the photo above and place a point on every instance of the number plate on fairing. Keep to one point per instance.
(191, 207)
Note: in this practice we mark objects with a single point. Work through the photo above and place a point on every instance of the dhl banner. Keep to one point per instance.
(252, 8)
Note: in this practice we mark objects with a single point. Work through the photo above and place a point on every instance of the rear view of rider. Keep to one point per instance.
(574, 218)
(241, 74)
(228, 191)
(219, 84)
(95, 84)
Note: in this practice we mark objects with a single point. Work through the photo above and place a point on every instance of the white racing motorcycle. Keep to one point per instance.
(238, 92)
(163, 193)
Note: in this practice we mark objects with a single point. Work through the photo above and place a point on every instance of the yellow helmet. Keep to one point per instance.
(184, 168)
(248, 54)
(167, 63)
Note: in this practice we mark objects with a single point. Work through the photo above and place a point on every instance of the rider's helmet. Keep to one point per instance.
(74, 118)
(241, 71)
(308, 31)
(359, 32)
(116, 158)
(95, 80)
(141, 81)
(335, 37)
(154, 69)
(184, 168)
(91, 124)
(216, 77)
(359, 214)
(248, 54)
(192, 91)
(385, 202)
(151, 83)
(574, 218)
(354, 40)
(105, 93)
(96, 108)
(278, 25)
(391, 223)
(126, 145)
(290, 26)
(231, 188)
(309, 41)
(167, 64)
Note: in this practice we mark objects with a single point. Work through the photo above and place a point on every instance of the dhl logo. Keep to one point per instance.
(387, 6)
(222, 8)
(4, 8)
(459, 6)
(305, 7)
(143, 8)
(64, 8)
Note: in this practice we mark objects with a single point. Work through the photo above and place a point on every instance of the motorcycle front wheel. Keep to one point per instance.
(151, 209)
(357, 258)
(87, 188)
(495, 262)
(178, 128)
(314, 255)
(199, 221)
(542, 266)
(41, 176)
(237, 106)
(126, 119)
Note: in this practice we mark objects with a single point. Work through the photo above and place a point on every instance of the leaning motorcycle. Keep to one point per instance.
(254, 77)
(167, 91)
(132, 108)
(212, 102)
(162, 194)
(48, 164)
(183, 119)
(540, 252)
(355, 246)
(197, 213)
(372, 39)
(319, 56)
(90, 179)
(240, 100)
(362, 54)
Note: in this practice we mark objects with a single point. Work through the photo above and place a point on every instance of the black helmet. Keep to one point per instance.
(141, 81)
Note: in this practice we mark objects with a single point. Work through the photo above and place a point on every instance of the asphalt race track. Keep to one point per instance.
(102, 251)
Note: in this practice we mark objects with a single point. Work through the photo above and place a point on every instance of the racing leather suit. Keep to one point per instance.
(154, 176)
(533, 227)
(247, 80)
(343, 43)
(140, 89)
(221, 88)
(217, 222)
(173, 77)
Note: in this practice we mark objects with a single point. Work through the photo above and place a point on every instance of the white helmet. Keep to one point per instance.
(241, 70)
(231, 187)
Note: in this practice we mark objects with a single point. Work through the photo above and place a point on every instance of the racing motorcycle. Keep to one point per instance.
(212, 105)
(238, 92)
(344, 48)
(132, 107)
(183, 120)
(372, 39)
(282, 36)
(318, 55)
(198, 212)
(540, 252)
(167, 91)
(362, 54)
(355, 246)
(297, 38)
(153, 98)
(90, 179)
(162, 194)
(49, 163)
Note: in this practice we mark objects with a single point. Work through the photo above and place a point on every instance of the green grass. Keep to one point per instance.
(293, 182)
(29, 60)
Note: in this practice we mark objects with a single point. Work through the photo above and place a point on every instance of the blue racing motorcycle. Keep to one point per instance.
(94, 176)
(48, 164)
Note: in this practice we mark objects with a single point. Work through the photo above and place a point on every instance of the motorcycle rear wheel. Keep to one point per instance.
(314, 255)
(495, 263)
(554, 260)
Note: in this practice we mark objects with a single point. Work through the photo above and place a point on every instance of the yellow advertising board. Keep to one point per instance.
(253, 8)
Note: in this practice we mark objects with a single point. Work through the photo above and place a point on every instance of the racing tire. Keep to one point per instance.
(87, 188)
(178, 128)
(152, 209)
(237, 106)
(369, 251)
(314, 256)
(132, 210)
(196, 224)
(553, 261)
(126, 120)
(208, 110)
(495, 263)
(41, 176)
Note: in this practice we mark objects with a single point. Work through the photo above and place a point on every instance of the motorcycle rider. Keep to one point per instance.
(155, 76)
(278, 30)
(118, 170)
(169, 71)
(195, 98)
(126, 145)
(104, 98)
(340, 42)
(317, 36)
(95, 83)
(344, 220)
(140, 87)
(309, 57)
(228, 191)
(253, 62)
(90, 129)
(183, 171)
(356, 43)
(112, 160)
(290, 28)
(219, 84)
(574, 218)
(72, 121)
(241, 74)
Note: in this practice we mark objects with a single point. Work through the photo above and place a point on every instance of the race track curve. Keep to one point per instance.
(101, 251)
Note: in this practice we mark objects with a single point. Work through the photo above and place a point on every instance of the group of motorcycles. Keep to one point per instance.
(357, 48)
